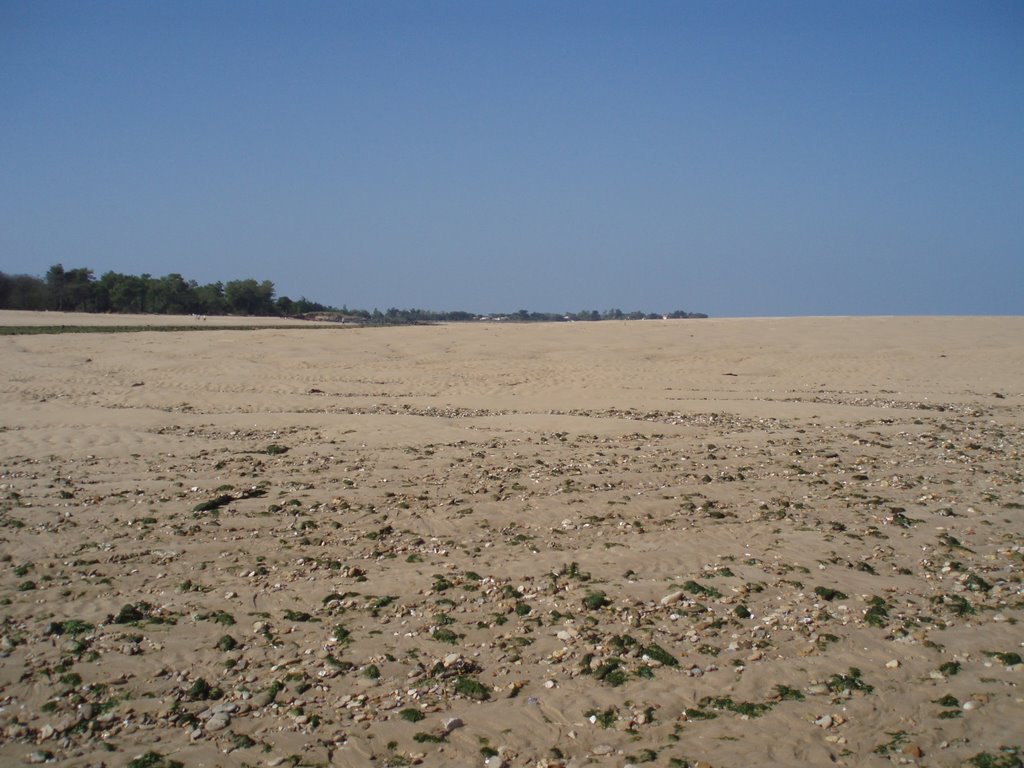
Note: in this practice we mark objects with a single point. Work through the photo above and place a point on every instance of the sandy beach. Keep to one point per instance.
(728, 543)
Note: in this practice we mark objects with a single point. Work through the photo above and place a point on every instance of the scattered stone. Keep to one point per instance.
(450, 724)
(217, 722)
(673, 597)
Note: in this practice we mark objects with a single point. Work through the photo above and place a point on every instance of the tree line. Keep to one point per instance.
(78, 290)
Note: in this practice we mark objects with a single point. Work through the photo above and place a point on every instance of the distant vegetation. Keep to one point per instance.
(78, 290)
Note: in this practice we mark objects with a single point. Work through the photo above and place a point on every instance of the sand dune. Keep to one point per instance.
(715, 542)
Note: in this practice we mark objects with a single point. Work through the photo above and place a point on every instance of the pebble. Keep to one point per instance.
(892, 664)
(495, 761)
(451, 723)
(673, 597)
(913, 750)
(217, 722)
(37, 757)
(603, 749)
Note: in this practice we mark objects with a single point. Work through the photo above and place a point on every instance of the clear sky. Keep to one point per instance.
(737, 158)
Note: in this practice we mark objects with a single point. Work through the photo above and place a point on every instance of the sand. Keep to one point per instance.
(696, 542)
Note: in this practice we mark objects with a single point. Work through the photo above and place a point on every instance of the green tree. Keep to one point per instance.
(22, 292)
(247, 297)
(55, 286)
(210, 299)
(78, 290)
(173, 295)
(69, 290)
(128, 293)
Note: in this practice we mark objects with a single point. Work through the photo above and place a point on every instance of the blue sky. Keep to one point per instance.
(736, 158)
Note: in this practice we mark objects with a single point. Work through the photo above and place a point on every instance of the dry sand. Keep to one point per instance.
(717, 542)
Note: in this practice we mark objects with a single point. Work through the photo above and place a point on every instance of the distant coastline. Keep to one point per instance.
(78, 290)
